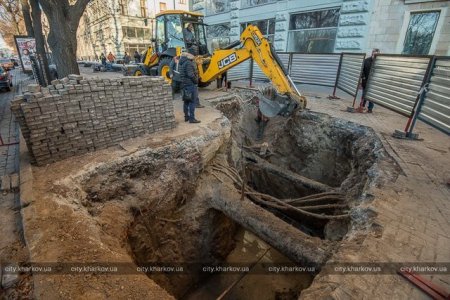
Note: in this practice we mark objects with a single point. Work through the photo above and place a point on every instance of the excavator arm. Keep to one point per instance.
(253, 45)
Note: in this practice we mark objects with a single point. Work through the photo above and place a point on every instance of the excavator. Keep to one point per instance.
(171, 30)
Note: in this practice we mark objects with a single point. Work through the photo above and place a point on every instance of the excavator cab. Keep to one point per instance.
(176, 30)
(180, 29)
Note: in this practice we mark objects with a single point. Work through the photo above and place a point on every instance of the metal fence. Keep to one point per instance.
(318, 69)
(239, 72)
(395, 82)
(434, 108)
(259, 75)
(349, 73)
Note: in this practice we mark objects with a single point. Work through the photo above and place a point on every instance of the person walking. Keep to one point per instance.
(137, 57)
(126, 59)
(103, 59)
(364, 78)
(111, 57)
(189, 81)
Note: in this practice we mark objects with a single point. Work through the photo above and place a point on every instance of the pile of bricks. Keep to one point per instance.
(73, 115)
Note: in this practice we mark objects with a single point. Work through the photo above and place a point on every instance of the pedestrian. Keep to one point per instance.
(103, 59)
(137, 57)
(189, 82)
(175, 74)
(111, 57)
(126, 59)
(364, 78)
(96, 57)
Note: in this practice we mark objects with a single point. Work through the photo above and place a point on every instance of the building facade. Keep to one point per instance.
(120, 26)
(326, 26)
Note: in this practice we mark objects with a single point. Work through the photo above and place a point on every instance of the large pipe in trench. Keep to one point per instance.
(294, 244)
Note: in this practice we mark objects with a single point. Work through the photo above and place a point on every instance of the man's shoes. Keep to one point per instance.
(186, 119)
(369, 111)
(199, 106)
(194, 121)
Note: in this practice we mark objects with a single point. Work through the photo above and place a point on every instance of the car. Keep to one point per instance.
(15, 61)
(6, 63)
(5, 79)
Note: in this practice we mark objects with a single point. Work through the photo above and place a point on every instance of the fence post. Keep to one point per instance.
(289, 66)
(337, 75)
(421, 99)
(251, 72)
(359, 81)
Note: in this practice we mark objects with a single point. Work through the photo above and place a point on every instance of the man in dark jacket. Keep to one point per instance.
(137, 57)
(365, 77)
(189, 81)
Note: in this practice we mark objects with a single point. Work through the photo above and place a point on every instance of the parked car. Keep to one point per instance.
(15, 61)
(5, 79)
(6, 63)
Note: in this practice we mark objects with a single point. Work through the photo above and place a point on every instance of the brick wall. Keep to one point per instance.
(74, 116)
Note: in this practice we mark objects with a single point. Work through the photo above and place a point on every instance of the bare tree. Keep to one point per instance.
(27, 17)
(11, 21)
(63, 18)
(39, 37)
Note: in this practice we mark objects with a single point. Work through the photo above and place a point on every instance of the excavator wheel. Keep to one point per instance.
(140, 71)
(164, 69)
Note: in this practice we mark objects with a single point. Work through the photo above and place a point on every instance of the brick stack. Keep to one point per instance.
(73, 116)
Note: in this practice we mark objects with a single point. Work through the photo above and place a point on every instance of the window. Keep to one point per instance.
(123, 7)
(314, 31)
(130, 48)
(174, 31)
(214, 7)
(143, 9)
(131, 32)
(250, 3)
(162, 6)
(182, 1)
(134, 8)
(134, 32)
(140, 32)
(267, 27)
(217, 35)
(420, 32)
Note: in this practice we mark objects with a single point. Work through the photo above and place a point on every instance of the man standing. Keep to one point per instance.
(137, 57)
(126, 59)
(103, 59)
(365, 77)
(111, 57)
(189, 81)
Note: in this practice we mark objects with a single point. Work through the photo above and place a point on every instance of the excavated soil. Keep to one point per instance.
(151, 203)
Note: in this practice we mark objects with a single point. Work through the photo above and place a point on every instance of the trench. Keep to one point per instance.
(319, 165)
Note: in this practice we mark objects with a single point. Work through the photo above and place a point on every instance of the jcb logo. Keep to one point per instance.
(256, 38)
(227, 60)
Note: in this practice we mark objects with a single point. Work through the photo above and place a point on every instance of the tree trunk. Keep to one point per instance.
(62, 38)
(27, 17)
(40, 43)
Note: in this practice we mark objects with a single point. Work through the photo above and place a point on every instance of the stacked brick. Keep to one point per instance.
(73, 115)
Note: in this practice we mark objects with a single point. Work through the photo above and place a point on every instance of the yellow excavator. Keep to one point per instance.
(171, 37)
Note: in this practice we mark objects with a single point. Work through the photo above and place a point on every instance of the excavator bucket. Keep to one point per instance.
(268, 107)
(271, 103)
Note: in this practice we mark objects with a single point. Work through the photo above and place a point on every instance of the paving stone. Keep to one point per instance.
(55, 126)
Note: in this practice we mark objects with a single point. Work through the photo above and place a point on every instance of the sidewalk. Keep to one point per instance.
(12, 245)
